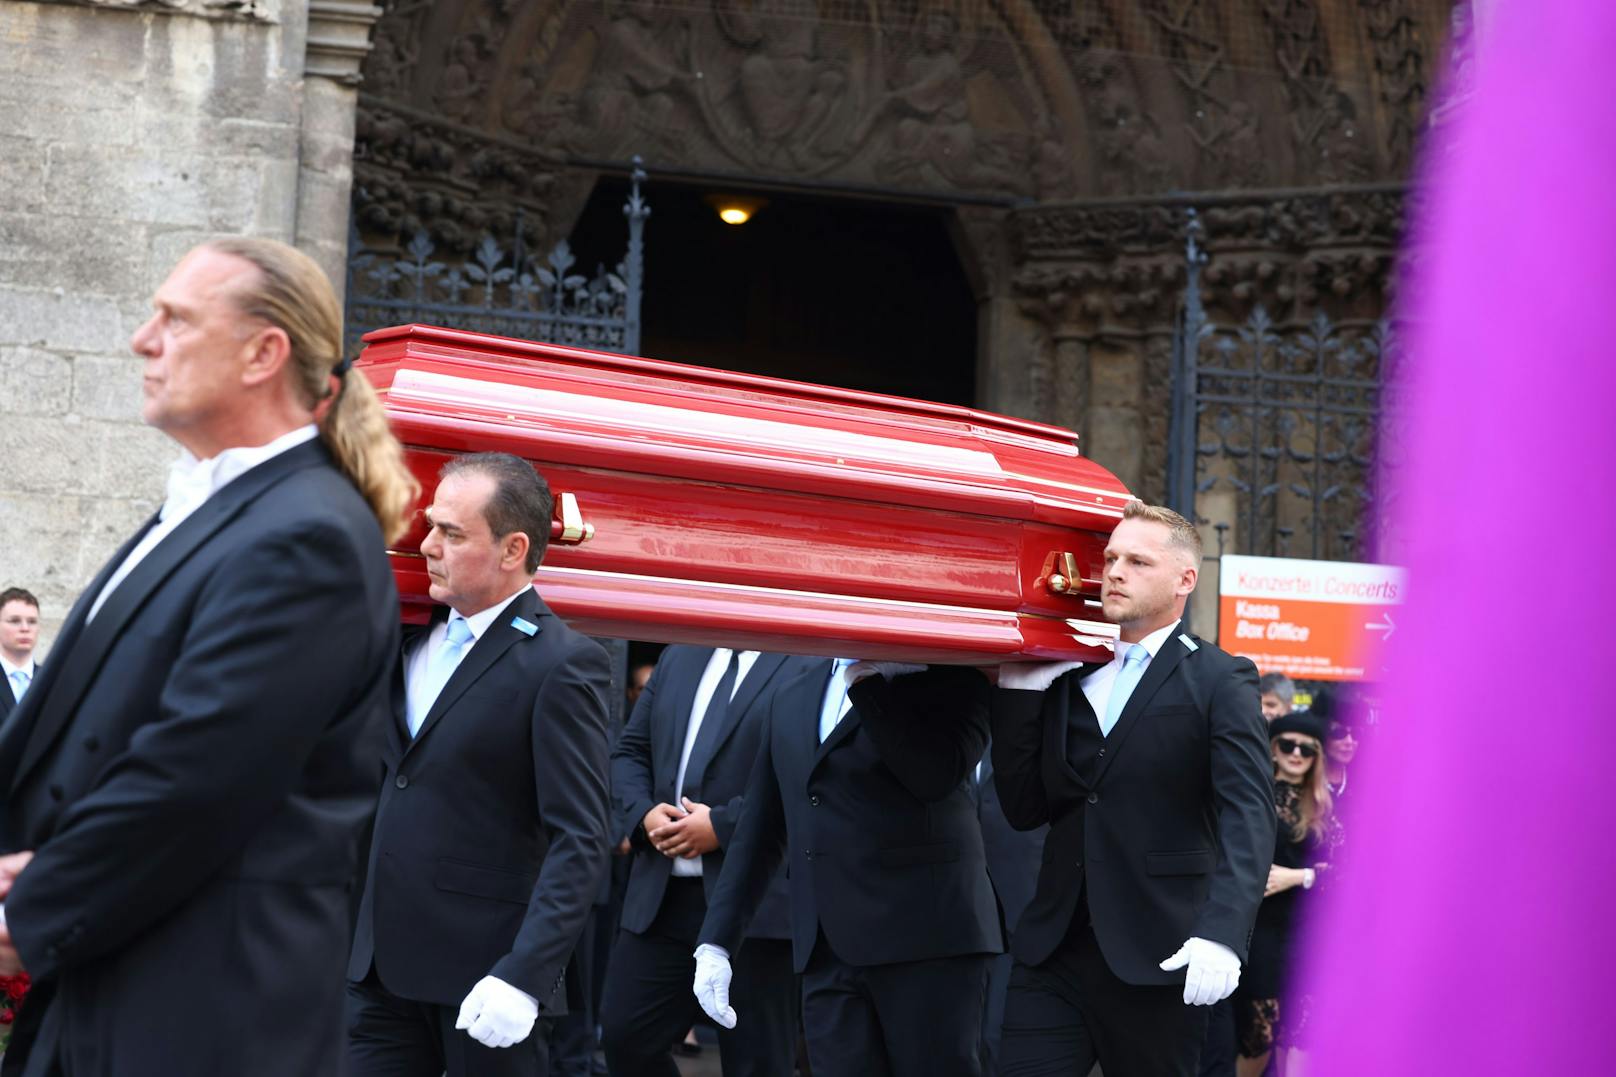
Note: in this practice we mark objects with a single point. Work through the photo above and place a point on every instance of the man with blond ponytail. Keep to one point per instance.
(189, 778)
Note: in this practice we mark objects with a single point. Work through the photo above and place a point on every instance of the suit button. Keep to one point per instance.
(1102, 753)
(91, 743)
(1094, 798)
(56, 792)
(814, 801)
(402, 781)
(809, 853)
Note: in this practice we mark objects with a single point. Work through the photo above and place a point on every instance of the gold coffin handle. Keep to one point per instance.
(1067, 579)
(570, 530)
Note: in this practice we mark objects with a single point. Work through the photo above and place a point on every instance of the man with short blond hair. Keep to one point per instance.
(1159, 798)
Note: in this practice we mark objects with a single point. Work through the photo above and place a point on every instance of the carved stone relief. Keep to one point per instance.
(492, 116)
(244, 10)
(932, 97)
(1400, 66)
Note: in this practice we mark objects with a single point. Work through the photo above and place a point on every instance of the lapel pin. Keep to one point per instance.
(1189, 644)
(524, 626)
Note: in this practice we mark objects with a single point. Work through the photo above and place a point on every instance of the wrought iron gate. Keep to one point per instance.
(1273, 431)
(503, 290)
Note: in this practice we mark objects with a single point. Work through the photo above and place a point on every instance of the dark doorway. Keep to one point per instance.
(864, 295)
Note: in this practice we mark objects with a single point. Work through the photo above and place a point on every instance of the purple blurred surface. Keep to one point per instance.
(1473, 930)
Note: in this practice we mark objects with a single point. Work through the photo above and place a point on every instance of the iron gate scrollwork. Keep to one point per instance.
(503, 290)
(1274, 427)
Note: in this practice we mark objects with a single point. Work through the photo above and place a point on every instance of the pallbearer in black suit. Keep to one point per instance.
(1153, 774)
(491, 834)
(1014, 857)
(193, 768)
(892, 915)
(679, 775)
(19, 632)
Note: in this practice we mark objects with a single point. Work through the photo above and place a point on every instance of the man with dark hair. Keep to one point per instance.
(19, 633)
(679, 777)
(862, 790)
(1152, 771)
(491, 831)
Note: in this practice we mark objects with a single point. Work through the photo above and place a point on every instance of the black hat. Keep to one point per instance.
(1306, 723)
(1328, 701)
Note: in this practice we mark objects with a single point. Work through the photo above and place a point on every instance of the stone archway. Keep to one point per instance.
(1060, 137)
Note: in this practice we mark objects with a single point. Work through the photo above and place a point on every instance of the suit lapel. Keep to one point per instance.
(501, 636)
(844, 728)
(15, 734)
(88, 649)
(804, 725)
(712, 735)
(414, 635)
(1161, 667)
(670, 735)
(1071, 695)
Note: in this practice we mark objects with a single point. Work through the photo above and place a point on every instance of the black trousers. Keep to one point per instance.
(390, 1036)
(1218, 1050)
(910, 1019)
(648, 1005)
(993, 1010)
(1071, 1011)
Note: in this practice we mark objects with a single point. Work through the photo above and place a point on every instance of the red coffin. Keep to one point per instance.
(703, 506)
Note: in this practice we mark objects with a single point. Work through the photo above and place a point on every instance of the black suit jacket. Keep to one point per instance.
(1014, 856)
(885, 851)
(491, 831)
(193, 769)
(645, 766)
(1168, 827)
(8, 701)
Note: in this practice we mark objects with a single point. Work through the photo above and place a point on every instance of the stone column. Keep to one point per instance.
(338, 40)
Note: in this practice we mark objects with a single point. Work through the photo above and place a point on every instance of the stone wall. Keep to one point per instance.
(129, 132)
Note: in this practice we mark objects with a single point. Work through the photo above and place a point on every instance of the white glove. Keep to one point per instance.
(859, 670)
(1214, 971)
(1033, 676)
(712, 983)
(495, 1014)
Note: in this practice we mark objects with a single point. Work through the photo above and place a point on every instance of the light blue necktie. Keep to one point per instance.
(19, 681)
(439, 670)
(835, 703)
(1133, 667)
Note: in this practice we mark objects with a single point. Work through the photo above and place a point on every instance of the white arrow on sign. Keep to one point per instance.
(1388, 627)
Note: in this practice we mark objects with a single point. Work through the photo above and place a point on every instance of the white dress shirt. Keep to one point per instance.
(190, 483)
(835, 704)
(1097, 685)
(422, 650)
(698, 710)
(7, 669)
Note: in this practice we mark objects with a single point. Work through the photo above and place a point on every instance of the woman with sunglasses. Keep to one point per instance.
(1306, 820)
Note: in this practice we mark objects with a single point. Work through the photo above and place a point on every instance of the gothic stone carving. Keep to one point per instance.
(241, 10)
(1292, 250)
(416, 173)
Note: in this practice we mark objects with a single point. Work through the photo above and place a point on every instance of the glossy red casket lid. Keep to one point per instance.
(734, 510)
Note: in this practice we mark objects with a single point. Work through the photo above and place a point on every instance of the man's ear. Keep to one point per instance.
(1187, 580)
(513, 552)
(268, 351)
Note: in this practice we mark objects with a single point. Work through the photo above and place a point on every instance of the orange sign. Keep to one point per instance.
(1315, 620)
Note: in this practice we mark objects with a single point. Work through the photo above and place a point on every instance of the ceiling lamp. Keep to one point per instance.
(735, 209)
